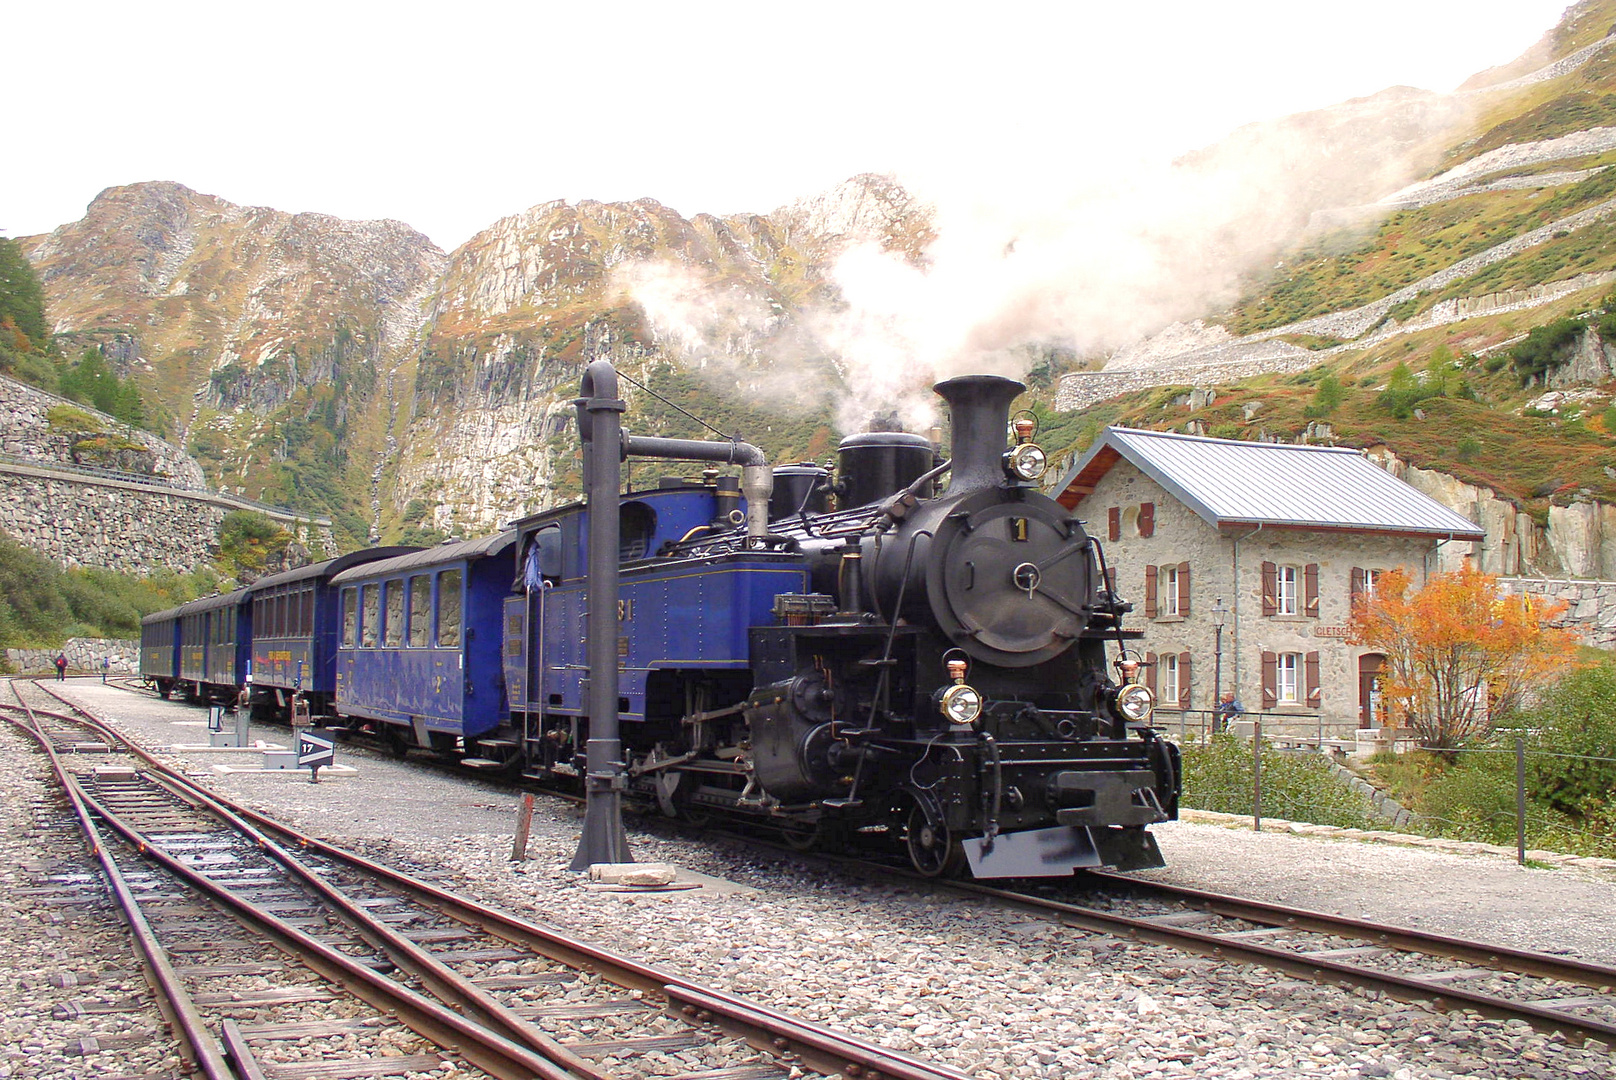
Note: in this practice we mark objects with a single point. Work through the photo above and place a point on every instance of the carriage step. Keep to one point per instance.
(481, 763)
(498, 744)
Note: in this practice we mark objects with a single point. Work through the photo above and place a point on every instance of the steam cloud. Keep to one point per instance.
(1088, 269)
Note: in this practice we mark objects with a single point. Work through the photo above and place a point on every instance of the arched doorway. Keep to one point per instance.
(1371, 704)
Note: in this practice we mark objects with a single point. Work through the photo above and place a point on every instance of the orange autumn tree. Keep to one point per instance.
(1459, 653)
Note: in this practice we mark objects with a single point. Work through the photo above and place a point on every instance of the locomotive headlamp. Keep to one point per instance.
(1135, 702)
(962, 704)
(1026, 462)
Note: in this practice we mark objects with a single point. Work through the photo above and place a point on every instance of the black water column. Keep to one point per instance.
(600, 426)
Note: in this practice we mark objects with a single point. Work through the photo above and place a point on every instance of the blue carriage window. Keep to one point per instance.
(449, 609)
(543, 560)
(393, 626)
(306, 612)
(371, 616)
(281, 629)
(350, 617)
(636, 527)
(420, 611)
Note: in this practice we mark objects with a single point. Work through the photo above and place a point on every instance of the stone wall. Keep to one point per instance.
(1592, 605)
(78, 520)
(83, 655)
(121, 526)
(25, 433)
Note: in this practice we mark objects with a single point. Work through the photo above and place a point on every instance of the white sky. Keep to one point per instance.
(449, 116)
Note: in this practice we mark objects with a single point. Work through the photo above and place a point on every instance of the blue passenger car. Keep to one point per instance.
(418, 656)
(160, 650)
(294, 635)
(215, 635)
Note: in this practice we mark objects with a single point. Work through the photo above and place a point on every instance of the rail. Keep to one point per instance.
(455, 933)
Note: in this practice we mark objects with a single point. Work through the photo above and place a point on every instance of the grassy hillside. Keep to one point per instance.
(1426, 395)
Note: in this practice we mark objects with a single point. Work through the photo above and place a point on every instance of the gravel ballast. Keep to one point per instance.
(994, 993)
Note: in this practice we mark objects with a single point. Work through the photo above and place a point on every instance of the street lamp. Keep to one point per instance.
(1219, 614)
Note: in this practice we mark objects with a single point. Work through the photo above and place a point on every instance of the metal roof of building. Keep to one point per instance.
(453, 551)
(1231, 482)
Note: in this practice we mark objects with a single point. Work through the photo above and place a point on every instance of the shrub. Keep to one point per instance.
(1327, 398)
(1300, 787)
(1474, 799)
(70, 421)
(1576, 718)
(41, 605)
(1545, 347)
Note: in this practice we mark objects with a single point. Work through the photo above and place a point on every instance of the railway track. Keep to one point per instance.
(278, 955)
(1552, 993)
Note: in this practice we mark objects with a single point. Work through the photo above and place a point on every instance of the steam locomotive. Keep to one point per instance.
(880, 658)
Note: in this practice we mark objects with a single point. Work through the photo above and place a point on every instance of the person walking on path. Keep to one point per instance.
(61, 667)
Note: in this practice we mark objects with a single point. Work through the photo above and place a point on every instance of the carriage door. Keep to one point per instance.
(541, 568)
(1371, 668)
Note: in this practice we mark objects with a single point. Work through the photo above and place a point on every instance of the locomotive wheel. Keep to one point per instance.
(932, 850)
(804, 839)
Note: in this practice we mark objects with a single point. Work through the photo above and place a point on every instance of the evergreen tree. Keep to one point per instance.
(22, 301)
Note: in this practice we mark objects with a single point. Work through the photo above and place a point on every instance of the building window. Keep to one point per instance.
(1371, 580)
(1285, 590)
(1167, 678)
(1287, 681)
(1169, 592)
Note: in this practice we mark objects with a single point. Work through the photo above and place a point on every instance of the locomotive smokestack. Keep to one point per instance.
(980, 407)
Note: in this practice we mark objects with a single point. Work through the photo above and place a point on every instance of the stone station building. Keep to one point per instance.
(1242, 560)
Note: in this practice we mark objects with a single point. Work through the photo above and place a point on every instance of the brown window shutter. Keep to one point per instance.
(1150, 673)
(1147, 519)
(1183, 680)
(1270, 680)
(1357, 582)
(1150, 592)
(1270, 588)
(1114, 523)
(1310, 586)
(1183, 588)
(1313, 695)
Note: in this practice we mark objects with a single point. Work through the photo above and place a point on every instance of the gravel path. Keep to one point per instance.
(994, 993)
